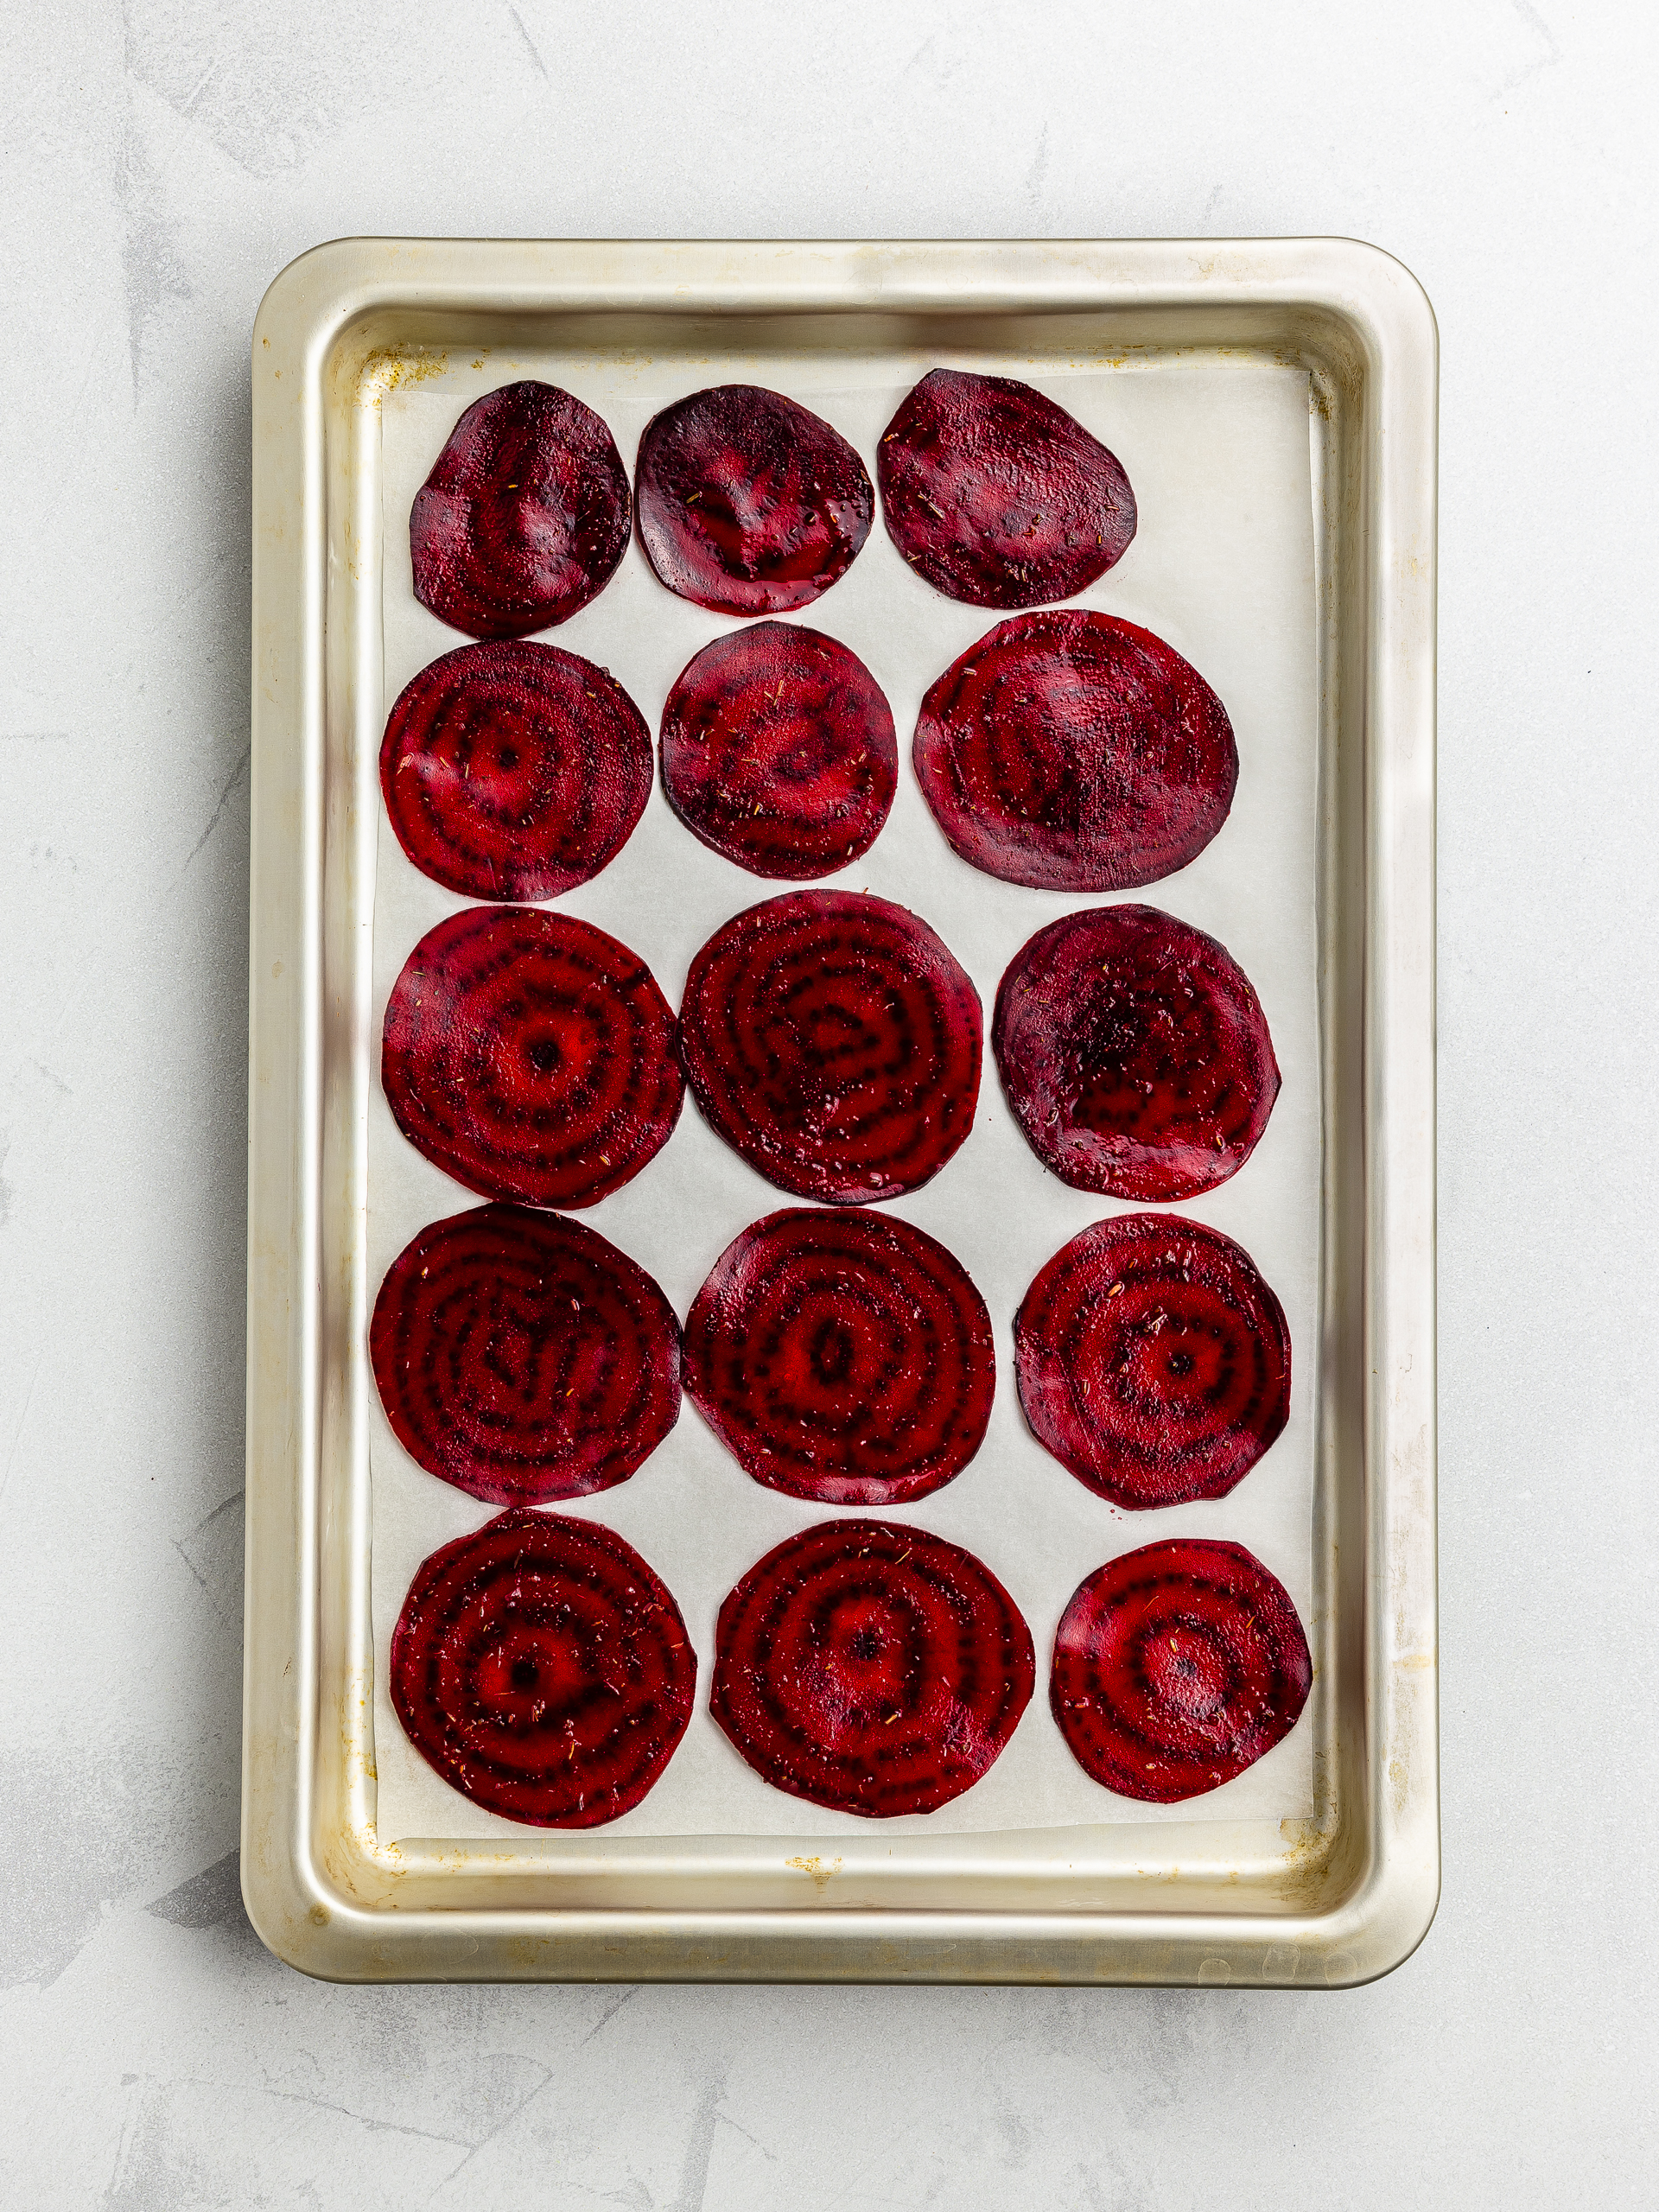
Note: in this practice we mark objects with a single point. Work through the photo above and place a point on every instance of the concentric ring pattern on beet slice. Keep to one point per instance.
(871, 1668)
(514, 770)
(542, 1670)
(1176, 1667)
(1072, 752)
(834, 1041)
(997, 496)
(749, 503)
(531, 1056)
(779, 750)
(522, 1356)
(846, 1357)
(1134, 1054)
(1153, 1360)
(525, 516)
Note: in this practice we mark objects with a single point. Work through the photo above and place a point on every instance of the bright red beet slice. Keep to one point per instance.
(779, 750)
(832, 1040)
(1134, 1054)
(846, 1357)
(531, 1056)
(871, 1668)
(522, 1357)
(1153, 1360)
(1176, 1667)
(514, 770)
(542, 1670)
(1073, 751)
(995, 495)
(748, 503)
(525, 516)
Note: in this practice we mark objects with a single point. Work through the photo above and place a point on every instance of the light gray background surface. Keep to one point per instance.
(159, 162)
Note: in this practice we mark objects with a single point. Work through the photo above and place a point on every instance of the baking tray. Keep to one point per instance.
(1334, 1897)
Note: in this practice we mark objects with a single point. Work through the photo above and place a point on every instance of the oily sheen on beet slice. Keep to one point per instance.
(779, 750)
(542, 1670)
(997, 496)
(833, 1040)
(747, 502)
(1153, 1360)
(1072, 752)
(1176, 1667)
(846, 1357)
(531, 1056)
(871, 1668)
(1134, 1054)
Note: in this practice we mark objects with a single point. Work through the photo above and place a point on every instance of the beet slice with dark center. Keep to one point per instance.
(997, 496)
(514, 770)
(834, 1041)
(1153, 1360)
(1176, 1667)
(779, 750)
(747, 502)
(871, 1668)
(846, 1357)
(1134, 1054)
(531, 1056)
(542, 1670)
(1072, 752)
(522, 1357)
(525, 516)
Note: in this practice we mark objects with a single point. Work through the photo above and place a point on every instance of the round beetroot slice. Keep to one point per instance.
(1176, 1667)
(1073, 751)
(1134, 1054)
(525, 516)
(871, 1668)
(779, 750)
(997, 496)
(832, 1040)
(1153, 1360)
(748, 503)
(846, 1357)
(531, 1056)
(542, 1670)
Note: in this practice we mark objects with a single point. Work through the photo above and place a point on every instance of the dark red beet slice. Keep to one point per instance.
(522, 1357)
(525, 516)
(832, 1040)
(996, 495)
(843, 1358)
(871, 1668)
(1134, 1054)
(531, 1056)
(542, 1670)
(747, 502)
(779, 750)
(1176, 1667)
(1072, 752)
(1153, 1360)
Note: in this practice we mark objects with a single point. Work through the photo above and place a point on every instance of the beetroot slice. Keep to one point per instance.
(531, 1056)
(748, 503)
(871, 1668)
(1073, 751)
(1153, 1360)
(843, 1358)
(832, 1040)
(525, 516)
(1176, 1667)
(996, 495)
(1134, 1054)
(522, 1357)
(779, 750)
(542, 1670)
